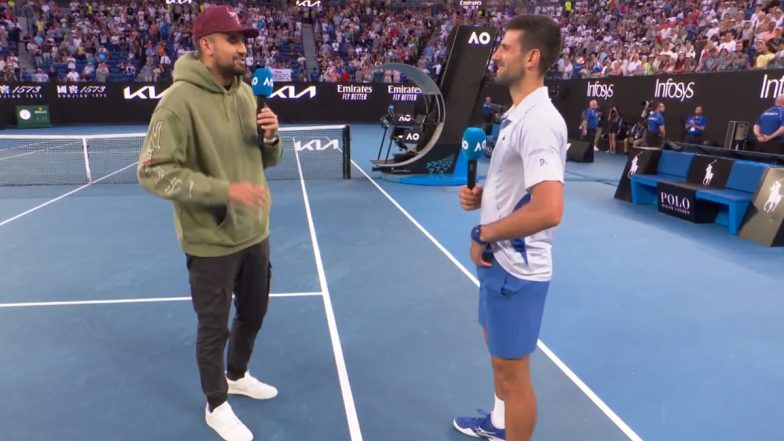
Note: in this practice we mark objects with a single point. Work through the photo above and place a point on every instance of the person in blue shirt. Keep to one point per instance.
(695, 127)
(656, 131)
(487, 115)
(769, 129)
(590, 122)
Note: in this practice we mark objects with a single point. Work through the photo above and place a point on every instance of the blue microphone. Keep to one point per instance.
(262, 87)
(391, 110)
(474, 142)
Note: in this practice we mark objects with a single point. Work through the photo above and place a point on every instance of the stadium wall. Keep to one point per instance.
(727, 96)
(133, 103)
(724, 96)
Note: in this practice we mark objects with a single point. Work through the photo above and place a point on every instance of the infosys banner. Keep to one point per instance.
(122, 103)
(724, 97)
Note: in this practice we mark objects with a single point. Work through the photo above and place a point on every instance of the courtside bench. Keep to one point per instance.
(672, 167)
(735, 198)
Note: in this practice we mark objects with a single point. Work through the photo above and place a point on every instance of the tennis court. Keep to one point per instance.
(371, 333)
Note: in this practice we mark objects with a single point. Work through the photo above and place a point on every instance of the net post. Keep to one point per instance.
(87, 171)
(347, 152)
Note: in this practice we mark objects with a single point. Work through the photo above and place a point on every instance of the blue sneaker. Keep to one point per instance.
(479, 427)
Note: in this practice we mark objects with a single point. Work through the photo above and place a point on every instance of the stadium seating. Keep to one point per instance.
(415, 32)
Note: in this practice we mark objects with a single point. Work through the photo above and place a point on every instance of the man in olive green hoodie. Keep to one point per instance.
(206, 150)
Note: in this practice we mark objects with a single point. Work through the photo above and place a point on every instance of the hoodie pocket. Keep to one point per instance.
(201, 225)
(240, 223)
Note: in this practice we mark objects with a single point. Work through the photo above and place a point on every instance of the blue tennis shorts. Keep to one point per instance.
(510, 309)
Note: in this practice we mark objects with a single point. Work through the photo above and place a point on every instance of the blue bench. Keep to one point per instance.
(672, 167)
(735, 198)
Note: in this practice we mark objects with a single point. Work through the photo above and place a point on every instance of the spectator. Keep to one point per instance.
(72, 75)
(764, 55)
(636, 137)
(40, 76)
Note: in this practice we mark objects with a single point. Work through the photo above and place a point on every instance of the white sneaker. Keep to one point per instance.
(228, 426)
(252, 387)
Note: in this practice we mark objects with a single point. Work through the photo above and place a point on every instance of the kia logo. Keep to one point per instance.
(144, 93)
(290, 92)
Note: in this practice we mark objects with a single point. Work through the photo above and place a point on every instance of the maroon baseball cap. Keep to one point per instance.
(220, 19)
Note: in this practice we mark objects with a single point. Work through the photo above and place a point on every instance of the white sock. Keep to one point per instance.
(497, 416)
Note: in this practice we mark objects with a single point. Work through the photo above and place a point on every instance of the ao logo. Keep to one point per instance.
(412, 136)
(482, 38)
(477, 148)
(267, 81)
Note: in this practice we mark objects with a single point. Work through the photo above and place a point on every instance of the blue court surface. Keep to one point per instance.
(654, 328)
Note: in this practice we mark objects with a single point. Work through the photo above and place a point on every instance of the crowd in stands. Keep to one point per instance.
(355, 38)
(134, 40)
(139, 40)
(626, 37)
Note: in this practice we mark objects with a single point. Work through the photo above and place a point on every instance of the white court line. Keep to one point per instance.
(38, 207)
(26, 146)
(140, 300)
(557, 361)
(340, 362)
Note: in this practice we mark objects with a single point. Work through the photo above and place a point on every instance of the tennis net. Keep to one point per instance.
(323, 152)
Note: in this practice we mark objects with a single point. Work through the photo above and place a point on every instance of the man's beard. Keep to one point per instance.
(231, 69)
(506, 78)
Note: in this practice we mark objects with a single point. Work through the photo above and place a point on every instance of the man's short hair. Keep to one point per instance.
(198, 53)
(538, 32)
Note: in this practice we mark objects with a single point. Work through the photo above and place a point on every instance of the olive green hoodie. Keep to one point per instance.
(202, 137)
